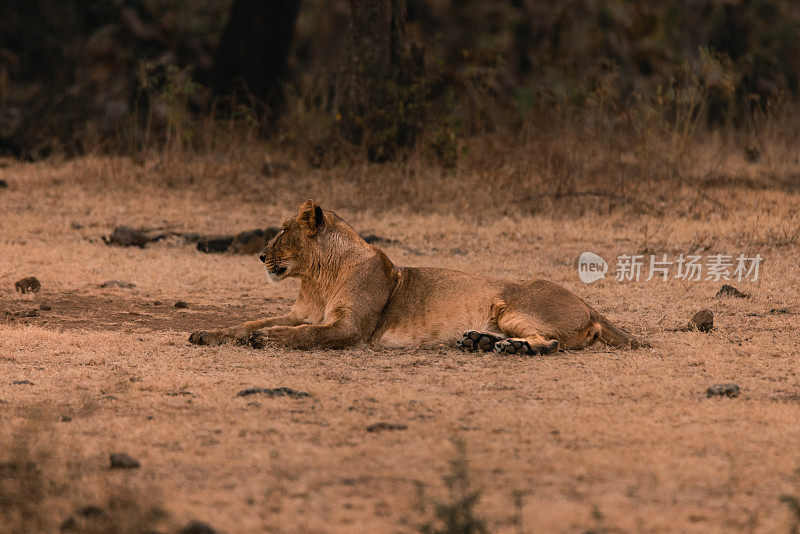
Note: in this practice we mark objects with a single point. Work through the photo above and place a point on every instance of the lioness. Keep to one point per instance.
(351, 292)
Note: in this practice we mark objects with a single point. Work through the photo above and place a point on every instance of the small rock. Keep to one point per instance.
(23, 383)
(75, 225)
(3, 184)
(122, 284)
(121, 460)
(274, 392)
(44, 306)
(157, 303)
(728, 389)
(728, 290)
(197, 527)
(26, 285)
(780, 311)
(702, 320)
(66, 419)
(382, 425)
(181, 304)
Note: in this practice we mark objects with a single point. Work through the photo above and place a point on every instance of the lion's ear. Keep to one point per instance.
(312, 215)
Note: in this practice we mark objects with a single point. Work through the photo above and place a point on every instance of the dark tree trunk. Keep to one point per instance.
(373, 94)
(253, 49)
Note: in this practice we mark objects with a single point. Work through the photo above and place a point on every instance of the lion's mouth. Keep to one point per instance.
(277, 271)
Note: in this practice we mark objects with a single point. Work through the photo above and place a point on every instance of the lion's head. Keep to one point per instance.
(291, 251)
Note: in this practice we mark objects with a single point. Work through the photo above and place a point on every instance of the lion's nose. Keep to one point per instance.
(263, 257)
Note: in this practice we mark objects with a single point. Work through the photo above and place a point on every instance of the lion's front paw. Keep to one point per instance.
(218, 337)
(277, 335)
(203, 337)
(258, 340)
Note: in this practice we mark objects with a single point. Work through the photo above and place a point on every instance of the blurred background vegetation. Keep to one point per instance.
(377, 79)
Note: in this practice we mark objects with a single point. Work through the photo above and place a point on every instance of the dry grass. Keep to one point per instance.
(599, 439)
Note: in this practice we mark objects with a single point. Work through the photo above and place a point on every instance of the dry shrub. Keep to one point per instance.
(457, 514)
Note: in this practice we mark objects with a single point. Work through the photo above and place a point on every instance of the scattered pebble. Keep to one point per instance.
(75, 225)
(728, 290)
(44, 306)
(121, 460)
(26, 285)
(382, 425)
(157, 303)
(197, 527)
(23, 383)
(274, 392)
(728, 389)
(702, 320)
(122, 284)
(181, 304)
(66, 419)
(780, 311)
(3, 184)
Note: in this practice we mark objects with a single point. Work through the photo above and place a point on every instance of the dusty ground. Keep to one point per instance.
(602, 440)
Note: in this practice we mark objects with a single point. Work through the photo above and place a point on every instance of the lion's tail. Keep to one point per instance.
(614, 336)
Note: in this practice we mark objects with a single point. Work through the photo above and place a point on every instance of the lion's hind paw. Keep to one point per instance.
(522, 346)
(474, 340)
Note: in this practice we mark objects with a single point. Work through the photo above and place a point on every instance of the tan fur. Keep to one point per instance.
(351, 292)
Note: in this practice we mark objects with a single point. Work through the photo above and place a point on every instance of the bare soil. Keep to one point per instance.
(597, 440)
